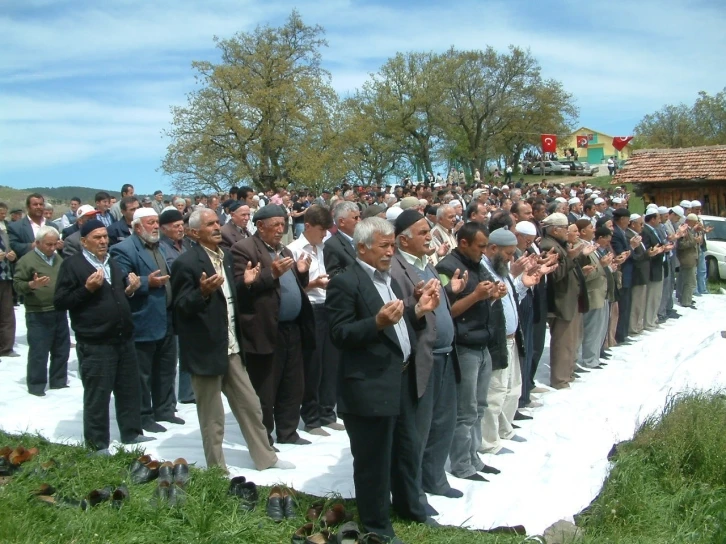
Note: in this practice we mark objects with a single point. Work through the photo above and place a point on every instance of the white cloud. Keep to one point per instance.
(94, 80)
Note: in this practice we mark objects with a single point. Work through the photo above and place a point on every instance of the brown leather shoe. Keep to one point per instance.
(336, 515)
(315, 511)
(303, 533)
(166, 472)
(145, 473)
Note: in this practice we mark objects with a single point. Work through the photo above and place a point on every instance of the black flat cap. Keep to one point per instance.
(406, 219)
(271, 210)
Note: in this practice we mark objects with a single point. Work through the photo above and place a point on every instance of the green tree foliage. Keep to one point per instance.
(263, 113)
(681, 125)
(266, 114)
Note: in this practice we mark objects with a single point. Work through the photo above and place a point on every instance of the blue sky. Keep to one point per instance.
(86, 86)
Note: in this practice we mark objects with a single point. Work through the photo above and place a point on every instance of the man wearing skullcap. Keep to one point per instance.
(656, 247)
(701, 271)
(93, 289)
(622, 245)
(575, 212)
(436, 364)
(687, 250)
(566, 301)
(236, 228)
(641, 270)
(277, 322)
(667, 233)
(151, 310)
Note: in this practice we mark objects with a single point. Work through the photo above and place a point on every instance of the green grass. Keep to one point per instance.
(209, 515)
(667, 486)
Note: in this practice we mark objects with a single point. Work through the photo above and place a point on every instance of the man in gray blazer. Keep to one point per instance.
(22, 233)
(436, 365)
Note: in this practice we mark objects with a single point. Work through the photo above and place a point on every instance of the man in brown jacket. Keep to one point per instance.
(566, 295)
(277, 322)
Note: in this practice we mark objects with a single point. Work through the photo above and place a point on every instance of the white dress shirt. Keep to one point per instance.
(302, 246)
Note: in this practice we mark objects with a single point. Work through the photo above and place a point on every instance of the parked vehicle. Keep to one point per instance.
(550, 167)
(589, 170)
(715, 246)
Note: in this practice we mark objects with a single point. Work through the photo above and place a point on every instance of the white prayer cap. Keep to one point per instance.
(145, 212)
(505, 187)
(393, 212)
(692, 217)
(599, 200)
(662, 210)
(685, 204)
(596, 192)
(617, 200)
(526, 227)
(634, 216)
(588, 191)
(573, 200)
(560, 199)
(695, 204)
(437, 185)
(678, 211)
(454, 203)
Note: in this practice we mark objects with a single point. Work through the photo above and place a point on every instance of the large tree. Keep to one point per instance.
(681, 125)
(263, 114)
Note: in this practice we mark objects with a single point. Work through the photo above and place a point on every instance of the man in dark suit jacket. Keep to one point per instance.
(436, 366)
(236, 228)
(205, 310)
(376, 391)
(656, 249)
(640, 273)
(339, 251)
(621, 244)
(277, 322)
(151, 309)
(22, 233)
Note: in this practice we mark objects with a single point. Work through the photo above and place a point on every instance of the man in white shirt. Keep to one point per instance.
(321, 363)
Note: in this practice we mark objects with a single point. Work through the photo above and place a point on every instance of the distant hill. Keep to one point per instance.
(60, 195)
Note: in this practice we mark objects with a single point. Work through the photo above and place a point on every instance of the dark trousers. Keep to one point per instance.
(185, 393)
(7, 317)
(278, 381)
(539, 333)
(526, 316)
(435, 422)
(48, 334)
(321, 373)
(157, 376)
(106, 369)
(624, 303)
(385, 462)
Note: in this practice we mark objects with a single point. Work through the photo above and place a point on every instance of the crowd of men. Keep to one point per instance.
(416, 314)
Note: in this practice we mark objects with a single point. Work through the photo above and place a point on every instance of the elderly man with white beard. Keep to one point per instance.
(151, 311)
(505, 387)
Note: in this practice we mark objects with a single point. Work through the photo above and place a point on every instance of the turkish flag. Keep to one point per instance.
(549, 143)
(619, 142)
(582, 141)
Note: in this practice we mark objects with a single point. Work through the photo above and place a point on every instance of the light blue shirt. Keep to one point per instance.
(382, 282)
(48, 261)
(98, 265)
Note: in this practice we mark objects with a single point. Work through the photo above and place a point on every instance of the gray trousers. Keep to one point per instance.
(435, 422)
(476, 372)
(666, 299)
(653, 296)
(595, 327)
(637, 308)
(689, 285)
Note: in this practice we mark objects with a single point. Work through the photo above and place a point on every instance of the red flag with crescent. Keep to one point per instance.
(619, 142)
(582, 141)
(549, 143)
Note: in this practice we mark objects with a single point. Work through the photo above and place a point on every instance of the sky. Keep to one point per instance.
(86, 87)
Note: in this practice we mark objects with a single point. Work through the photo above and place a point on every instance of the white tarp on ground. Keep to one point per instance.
(552, 476)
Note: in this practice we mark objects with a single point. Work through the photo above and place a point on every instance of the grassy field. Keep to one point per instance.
(667, 486)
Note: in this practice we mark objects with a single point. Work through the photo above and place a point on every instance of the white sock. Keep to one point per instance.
(284, 465)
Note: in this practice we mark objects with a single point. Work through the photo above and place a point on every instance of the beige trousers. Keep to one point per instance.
(614, 314)
(564, 340)
(505, 388)
(637, 309)
(245, 406)
(653, 295)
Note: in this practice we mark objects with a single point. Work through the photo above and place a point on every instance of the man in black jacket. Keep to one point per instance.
(205, 318)
(91, 287)
(339, 252)
(376, 393)
(475, 334)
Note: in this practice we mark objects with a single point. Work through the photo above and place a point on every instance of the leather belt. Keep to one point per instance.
(405, 365)
(510, 336)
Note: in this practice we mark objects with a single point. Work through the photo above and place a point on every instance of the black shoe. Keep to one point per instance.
(166, 472)
(153, 427)
(515, 426)
(519, 416)
(177, 495)
(173, 419)
(476, 478)
(161, 494)
(490, 470)
(288, 504)
(37, 393)
(298, 442)
(604, 355)
(275, 509)
(581, 370)
(248, 496)
(138, 439)
(64, 386)
(188, 401)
